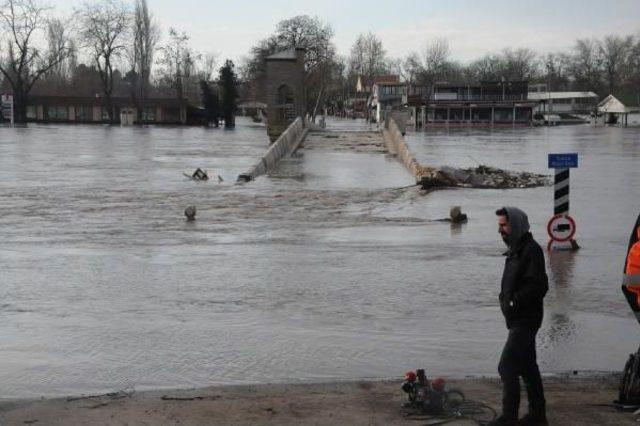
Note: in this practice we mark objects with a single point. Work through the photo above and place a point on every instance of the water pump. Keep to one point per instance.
(428, 397)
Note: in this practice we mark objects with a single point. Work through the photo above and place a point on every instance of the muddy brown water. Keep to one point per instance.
(321, 270)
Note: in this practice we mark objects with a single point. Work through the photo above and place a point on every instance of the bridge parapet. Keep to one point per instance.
(285, 145)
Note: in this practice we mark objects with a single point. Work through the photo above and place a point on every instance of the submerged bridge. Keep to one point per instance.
(389, 141)
(288, 131)
(343, 138)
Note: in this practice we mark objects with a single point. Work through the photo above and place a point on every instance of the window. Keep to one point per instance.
(57, 113)
(31, 112)
(286, 102)
(171, 115)
(149, 114)
(83, 113)
(285, 95)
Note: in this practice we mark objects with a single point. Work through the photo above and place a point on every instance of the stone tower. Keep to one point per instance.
(284, 87)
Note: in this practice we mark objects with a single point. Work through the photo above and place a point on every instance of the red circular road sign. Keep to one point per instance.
(561, 228)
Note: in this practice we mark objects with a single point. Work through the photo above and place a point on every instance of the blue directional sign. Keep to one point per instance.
(563, 161)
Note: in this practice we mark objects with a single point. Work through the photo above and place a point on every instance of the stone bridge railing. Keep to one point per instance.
(440, 177)
(285, 145)
(396, 145)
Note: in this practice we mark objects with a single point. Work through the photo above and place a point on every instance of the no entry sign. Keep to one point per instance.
(561, 228)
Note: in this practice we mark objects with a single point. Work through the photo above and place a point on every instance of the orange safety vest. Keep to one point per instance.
(631, 280)
(633, 258)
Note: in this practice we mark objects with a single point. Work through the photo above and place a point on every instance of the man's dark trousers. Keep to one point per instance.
(519, 359)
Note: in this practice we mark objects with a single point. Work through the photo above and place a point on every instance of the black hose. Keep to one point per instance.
(456, 406)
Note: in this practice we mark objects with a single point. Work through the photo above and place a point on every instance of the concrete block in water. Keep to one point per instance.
(456, 215)
(190, 213)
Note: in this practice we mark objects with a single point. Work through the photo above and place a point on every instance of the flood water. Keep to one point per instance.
(323, 270)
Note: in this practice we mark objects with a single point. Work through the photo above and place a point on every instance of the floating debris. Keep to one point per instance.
(200, 174)
(480, 177)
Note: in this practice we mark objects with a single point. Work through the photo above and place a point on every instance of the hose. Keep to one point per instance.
(455, 407)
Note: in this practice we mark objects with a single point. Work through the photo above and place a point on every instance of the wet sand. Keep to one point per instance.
(572, 400)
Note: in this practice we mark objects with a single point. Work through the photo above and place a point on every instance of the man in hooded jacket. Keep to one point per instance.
(524, 285)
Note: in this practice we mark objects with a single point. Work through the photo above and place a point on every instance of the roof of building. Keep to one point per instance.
(289, 54)
(542, 96)
(378, 79)
(482, 83)
(386, 79)
(613, 105)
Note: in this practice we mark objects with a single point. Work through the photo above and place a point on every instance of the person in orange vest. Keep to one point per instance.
(633, 254)
(631, 280)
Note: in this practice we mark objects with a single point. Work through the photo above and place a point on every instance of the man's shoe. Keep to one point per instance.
(503, 421)
(533, 420)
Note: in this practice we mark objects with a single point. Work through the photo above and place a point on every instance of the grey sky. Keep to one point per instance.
(472, 28)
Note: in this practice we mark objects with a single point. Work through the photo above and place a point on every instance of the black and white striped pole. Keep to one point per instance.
(561, 227)
(561, 191)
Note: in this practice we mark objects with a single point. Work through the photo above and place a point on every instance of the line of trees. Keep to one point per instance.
(120, 43)
(604, 66)
(608, 65)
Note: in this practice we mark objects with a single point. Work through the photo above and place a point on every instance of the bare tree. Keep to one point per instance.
(104, 27)
(633, 71)
(519, 64)
(435, 56)
(586, 66)
(614, 51)
(309, 33)
(368, 58)
(488, 67)
(24, 62)
(207, 67)
(399, 67)
(555, 72)
(62, 48)
(430, 66)
(145, 39)
(177, 61)
(337, 89)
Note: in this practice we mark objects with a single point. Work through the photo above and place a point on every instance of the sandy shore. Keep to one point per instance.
(572, 400)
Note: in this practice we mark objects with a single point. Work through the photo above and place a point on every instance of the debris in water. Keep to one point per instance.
(190, 213)
(480, 177)
(200, 174)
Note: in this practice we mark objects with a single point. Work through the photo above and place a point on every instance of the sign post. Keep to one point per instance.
(561, 227)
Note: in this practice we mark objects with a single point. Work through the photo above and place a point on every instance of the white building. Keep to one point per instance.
(564, 102)
(613, 111)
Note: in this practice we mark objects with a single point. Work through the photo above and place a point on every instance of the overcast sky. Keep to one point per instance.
(472, 27)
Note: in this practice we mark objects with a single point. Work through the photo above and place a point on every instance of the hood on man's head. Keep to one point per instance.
(519, 223)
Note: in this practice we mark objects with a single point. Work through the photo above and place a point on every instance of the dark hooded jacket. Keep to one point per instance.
(524, 280)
